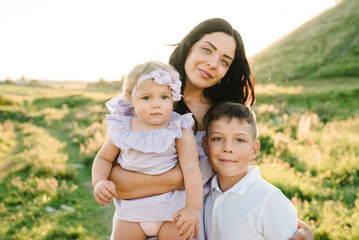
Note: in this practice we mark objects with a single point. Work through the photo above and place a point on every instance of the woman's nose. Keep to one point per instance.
(212, 61)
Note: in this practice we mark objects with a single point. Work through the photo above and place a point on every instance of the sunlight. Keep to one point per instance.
(89, 40)
(272, 89)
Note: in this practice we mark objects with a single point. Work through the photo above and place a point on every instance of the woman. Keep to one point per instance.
(213, 68)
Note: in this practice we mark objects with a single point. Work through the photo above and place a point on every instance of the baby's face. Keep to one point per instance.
(153, 105)
(230, 146)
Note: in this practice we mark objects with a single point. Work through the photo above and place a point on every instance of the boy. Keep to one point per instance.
(241, 204)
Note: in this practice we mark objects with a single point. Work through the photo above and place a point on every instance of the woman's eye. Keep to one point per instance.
(207, 50)
(225, 63)
(216, 139)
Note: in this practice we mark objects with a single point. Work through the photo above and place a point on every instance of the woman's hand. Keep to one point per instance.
(303, 233)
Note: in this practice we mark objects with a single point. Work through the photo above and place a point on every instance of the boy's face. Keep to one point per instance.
(230, 145)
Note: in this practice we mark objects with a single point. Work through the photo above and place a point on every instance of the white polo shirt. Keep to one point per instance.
(251, 209)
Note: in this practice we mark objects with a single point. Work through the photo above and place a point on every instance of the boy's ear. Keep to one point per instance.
(255, 149)
(205, 144)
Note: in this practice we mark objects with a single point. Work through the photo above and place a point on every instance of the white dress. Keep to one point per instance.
(150, 152)
(118, 107)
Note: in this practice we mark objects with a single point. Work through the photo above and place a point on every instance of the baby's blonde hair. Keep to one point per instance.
(140, 70)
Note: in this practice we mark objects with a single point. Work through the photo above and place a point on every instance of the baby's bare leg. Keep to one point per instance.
(168, 230)
(128, 230)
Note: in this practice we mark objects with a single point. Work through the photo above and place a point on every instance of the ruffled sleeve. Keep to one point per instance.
(151, 141)
(118, 126)
(180, 121)
(118, 105)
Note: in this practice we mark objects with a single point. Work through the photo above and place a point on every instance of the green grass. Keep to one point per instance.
(309, 150)
(325, 47)
(42, 167)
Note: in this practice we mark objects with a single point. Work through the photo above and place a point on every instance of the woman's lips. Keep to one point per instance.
(205, 74)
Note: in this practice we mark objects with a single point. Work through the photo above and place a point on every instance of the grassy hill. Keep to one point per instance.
(309, 149)
(45, 171)
(324, 47)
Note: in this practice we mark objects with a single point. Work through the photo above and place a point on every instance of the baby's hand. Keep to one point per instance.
(187, 221)
(104, 191)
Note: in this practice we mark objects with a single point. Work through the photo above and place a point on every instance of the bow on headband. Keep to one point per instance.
(118, 104)
(163, 77)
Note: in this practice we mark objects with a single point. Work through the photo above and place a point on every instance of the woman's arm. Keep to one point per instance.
(130, 185)
(303, 233)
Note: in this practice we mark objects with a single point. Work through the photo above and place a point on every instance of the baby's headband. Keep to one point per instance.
(163, 77)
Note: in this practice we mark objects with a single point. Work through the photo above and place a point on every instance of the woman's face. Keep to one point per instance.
(209, 59)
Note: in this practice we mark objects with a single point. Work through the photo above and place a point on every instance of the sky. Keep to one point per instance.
(93, 39)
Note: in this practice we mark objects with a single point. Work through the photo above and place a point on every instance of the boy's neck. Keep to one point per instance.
(226, 182)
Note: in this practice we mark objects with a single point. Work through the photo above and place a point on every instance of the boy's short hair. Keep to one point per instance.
(231, 110)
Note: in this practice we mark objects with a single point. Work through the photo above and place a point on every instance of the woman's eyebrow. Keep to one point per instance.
(211, 45)
(214, 47)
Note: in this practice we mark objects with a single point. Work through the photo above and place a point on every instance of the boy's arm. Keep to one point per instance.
(188, 158)
(279, 217)
(130, 185)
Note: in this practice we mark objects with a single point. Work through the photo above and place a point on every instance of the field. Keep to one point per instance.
(49, 137)
(48, 140)
(307, 110)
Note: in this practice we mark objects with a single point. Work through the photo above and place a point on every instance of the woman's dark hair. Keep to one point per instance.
(238, 83)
